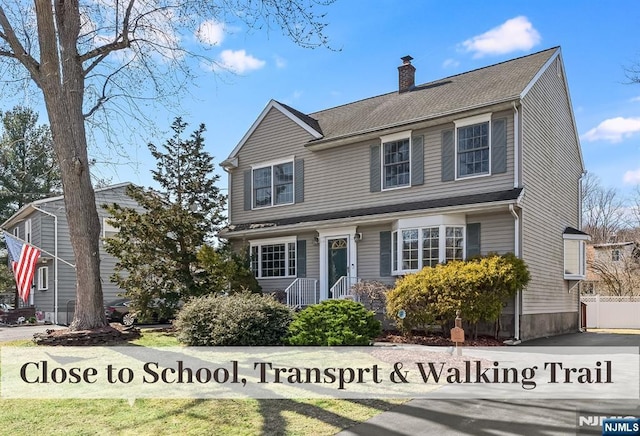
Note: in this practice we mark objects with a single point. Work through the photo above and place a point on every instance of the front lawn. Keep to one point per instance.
(184, 417)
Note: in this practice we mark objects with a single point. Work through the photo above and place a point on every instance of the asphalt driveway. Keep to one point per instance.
(15, 333)
(506, 417)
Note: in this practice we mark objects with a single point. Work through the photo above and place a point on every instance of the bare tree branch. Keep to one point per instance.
(19, 52)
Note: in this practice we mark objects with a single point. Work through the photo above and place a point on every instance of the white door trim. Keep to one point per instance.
(334, 233)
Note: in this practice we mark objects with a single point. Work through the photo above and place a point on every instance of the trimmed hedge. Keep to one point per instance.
(243, 319)
(334, 322)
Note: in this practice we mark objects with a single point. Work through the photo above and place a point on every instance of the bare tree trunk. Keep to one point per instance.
(62, 83)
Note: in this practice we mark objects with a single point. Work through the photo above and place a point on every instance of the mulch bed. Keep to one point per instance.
(420, 338)
(113, 334)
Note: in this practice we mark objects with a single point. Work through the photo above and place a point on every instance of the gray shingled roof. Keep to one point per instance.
(481, 87)
(463, 200)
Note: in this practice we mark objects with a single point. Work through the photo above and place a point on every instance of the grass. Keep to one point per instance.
(184, 417)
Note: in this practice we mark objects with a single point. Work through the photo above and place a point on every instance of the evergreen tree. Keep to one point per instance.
(28, 170)
(157, 247)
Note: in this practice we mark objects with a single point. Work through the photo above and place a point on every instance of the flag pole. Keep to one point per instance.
(35, 246)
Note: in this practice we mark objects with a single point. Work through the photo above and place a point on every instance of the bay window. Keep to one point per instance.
(417, 247)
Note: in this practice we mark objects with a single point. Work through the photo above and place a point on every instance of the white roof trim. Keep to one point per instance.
(272, 104)
(31, 205)
(539, 73)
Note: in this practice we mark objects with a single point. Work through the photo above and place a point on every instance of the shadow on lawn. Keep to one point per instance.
(275, 423)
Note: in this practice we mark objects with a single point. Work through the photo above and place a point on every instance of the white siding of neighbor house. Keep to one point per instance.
(551, 170)
(338, 179)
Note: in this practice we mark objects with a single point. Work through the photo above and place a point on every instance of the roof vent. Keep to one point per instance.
(406, 75)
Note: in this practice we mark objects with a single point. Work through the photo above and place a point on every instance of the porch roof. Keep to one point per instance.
(510, 195)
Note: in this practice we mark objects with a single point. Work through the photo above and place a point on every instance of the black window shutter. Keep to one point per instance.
(247, 190)
(499, 146)
(385, 254)
(473, 240)
(301, 262)
(374, 169)
(448, 156)
(417, 161)
(299, 180)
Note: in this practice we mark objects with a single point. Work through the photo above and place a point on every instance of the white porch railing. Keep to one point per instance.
(342, 288)
(302, 292)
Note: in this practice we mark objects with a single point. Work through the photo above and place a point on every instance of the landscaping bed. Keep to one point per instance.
(435, 339)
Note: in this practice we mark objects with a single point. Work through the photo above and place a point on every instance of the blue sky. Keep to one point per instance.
(598, 40)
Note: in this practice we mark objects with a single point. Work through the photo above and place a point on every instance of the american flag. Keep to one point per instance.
(22, 258)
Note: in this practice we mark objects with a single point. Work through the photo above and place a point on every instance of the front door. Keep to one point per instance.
(338, 261)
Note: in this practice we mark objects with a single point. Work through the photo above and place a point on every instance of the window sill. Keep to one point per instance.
(274, 205)
(575, 276)
(473, 176)
(274, 278)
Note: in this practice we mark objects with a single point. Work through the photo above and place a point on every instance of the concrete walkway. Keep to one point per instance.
(505, 417)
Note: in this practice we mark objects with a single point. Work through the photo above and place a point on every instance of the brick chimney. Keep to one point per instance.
(406, 75)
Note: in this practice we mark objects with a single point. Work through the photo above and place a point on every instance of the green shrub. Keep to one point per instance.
(240, 319)
(478, 288)
(334, 322)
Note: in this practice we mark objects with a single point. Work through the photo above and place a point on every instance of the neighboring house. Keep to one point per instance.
(613, 269)
(43, 223)
(484, 161)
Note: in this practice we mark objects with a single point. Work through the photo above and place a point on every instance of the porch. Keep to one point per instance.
(304, 292)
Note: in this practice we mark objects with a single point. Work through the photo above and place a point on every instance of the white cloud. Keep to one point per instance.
(239, 61)
(635, 99)
(613, 129)
(515, 34)
(450, 63)
(211, 32)
(632, 177)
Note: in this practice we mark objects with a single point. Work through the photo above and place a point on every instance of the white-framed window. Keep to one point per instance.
(107, 229)
(272, 184)
(417, 247)
(615, 255)
(16, 232)
(396, 160)
(273, 257)
(43, 278)
(473, 146)
(27, 231)
(575, 256)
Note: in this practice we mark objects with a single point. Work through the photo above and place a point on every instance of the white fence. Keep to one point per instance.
(605, 311)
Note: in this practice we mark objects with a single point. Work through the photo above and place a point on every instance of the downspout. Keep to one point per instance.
(583, 175)
(516, 250)
(516, 146)
(55, 262)
(516, 184)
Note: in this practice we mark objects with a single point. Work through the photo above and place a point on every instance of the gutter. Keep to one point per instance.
(516, 250)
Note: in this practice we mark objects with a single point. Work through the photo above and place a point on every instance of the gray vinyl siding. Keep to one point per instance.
(339, 178)
(369, 253)
(43, 231)
(551, 170)
(496, 232)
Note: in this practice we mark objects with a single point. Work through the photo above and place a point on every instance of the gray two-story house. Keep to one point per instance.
(43, 223)
(484, 161)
